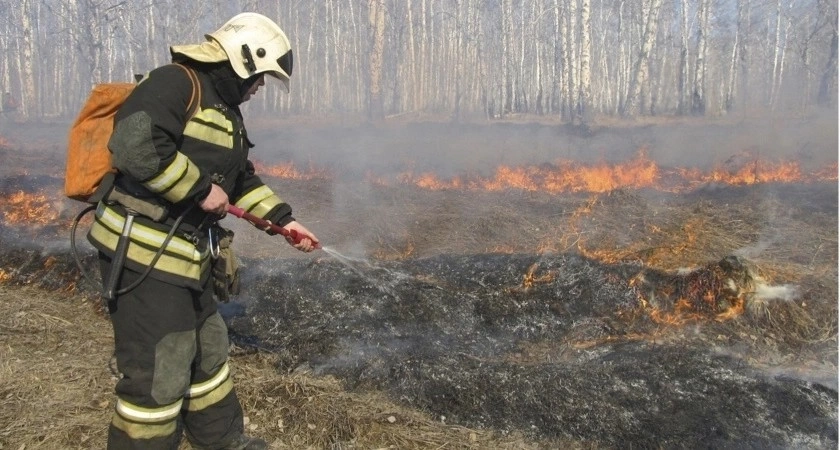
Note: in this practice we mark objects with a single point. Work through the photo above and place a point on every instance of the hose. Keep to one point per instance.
(149, 268)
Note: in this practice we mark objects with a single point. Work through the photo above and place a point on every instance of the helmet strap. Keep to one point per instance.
(248, 83)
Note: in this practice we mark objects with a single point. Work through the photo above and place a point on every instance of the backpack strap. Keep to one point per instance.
(195, 96)
(104, 187)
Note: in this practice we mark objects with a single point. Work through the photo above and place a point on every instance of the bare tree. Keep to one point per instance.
(26, 62)
(507, 38)
(377, 21)
(737, 48)
(827, 94)
(682, 83)
(573, 58)
(640, 71)
(698, 97)
(585, 112)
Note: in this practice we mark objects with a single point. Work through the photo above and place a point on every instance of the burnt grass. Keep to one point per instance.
(553, 344)
(451, 335)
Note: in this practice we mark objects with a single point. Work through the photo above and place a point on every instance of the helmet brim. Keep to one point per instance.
(209, 52)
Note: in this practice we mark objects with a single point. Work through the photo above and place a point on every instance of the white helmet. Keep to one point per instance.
(253, 44)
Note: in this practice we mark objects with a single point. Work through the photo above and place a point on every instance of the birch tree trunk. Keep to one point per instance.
(520, 99)
(572, 60)
(622, 71)
(423, 87)
(682, 84)
(377, 18)
(585, 112)
(5, 45)
(27, 71)
(746, 5)
(458, 51)
(777, 87)
(827, 94)
(776, 46)
(605, 84)
(507, 36)
(698, 98)
(556, 69)
(412, 100)
(355, 98)
(733, 63)
(640, 72)
(566, 67)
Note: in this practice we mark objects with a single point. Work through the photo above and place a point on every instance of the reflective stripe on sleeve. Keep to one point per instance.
(176, 181)
(259, 201)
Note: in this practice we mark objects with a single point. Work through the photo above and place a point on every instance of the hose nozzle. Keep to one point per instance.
(267, 225)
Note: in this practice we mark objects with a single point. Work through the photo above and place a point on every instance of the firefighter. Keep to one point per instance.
(179, 167)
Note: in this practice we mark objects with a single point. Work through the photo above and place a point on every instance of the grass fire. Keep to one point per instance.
(449, 225)
(567, 304)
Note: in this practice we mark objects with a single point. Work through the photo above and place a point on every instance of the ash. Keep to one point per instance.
(549, 345)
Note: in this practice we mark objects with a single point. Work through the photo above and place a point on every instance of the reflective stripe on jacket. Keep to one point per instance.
(174, 157)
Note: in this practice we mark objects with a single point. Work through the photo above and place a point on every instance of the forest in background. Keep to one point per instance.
(569, 59)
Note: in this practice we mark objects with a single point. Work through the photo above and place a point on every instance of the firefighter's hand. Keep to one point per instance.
(307, 241)
(216, 201)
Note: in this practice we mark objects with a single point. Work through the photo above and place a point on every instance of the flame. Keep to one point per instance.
(684, 312)
(733, 311)
(638, 173)
(529, 278)
(28, 208)
(289, 171)
(827, 173)
(754, 172)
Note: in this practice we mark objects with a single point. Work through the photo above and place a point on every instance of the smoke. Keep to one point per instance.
(784, 292)
(448, 149)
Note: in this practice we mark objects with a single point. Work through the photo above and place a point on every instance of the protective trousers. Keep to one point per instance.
(171, 348)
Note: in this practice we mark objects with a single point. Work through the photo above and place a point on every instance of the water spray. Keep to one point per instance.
(297, 237)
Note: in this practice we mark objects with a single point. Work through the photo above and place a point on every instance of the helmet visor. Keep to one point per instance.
(286, 62)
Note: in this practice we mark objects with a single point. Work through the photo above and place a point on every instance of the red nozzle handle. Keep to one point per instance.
(267, 225)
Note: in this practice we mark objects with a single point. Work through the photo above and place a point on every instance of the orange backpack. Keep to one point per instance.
(88, 157)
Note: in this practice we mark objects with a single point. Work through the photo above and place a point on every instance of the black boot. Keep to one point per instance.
(242, 442)
(247, 443)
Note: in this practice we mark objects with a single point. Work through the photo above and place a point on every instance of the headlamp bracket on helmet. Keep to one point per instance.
(248, 58)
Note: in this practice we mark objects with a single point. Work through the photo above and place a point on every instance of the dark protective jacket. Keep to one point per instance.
(170, 155)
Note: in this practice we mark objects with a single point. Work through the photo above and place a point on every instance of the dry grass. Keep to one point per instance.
(57, 391)
(54, 380)
(621, 226)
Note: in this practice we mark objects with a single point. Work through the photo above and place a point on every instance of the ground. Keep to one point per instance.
(55, 379)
